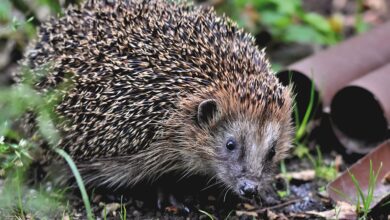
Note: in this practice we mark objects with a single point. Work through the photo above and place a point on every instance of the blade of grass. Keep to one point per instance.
(372, 182)
(79, 181)
(302, 127)
(208, 214)
(357, 186)
(227, 217)
(385, 204)
(105, 213)
(342, 194)
(371, 185)
(18, 183)
(283, 170)
(123, 214)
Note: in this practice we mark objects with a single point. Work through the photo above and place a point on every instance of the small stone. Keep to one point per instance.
(136, 213)
(139, 204)
(211, 198)
(245, 213)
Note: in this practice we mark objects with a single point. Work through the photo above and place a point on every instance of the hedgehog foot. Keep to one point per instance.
(168, 202)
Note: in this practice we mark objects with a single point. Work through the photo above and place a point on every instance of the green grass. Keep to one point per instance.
(301, 150)
(123, 213)
(301, 126)
(79, 181)
(230, 213)
(210, 216)
(364, 201)
(105, 213)
(322, 170)
(385, 204)
(286, 178)
(15, 153)
(360, 25)
(19, 200)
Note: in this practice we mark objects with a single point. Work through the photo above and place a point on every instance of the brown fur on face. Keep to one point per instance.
(244, 113)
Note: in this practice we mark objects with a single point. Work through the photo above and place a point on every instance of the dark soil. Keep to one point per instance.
(141, 203)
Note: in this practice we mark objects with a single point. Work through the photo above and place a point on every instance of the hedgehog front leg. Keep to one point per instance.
(168, 202)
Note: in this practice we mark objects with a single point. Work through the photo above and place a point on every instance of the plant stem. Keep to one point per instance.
(79, 181)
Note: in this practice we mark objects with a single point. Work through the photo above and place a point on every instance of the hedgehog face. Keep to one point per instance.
(247, 150)
(247, 155)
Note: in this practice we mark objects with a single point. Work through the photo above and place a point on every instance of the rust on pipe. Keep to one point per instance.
(361, 110)
(343, 189)
(335, 67)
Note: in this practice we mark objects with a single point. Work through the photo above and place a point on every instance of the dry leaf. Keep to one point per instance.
(248, 206)
(342, 211)
(338, 162)
(172, 209)
(273, 216)
(304, 175)
(112, 207)
(386, 179)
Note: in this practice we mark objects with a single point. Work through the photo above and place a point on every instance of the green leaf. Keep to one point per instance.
(54, 5)
(289, 7)
(282, 194)
(302, 34)
(207, 214)
(317, 21)
(240, 3)
(5, 10)
(275, 20)
(301, 150)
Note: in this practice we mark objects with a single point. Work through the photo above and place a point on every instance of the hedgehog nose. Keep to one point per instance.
(248, 189)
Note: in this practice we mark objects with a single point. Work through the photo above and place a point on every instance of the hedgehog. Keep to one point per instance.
(162, 87)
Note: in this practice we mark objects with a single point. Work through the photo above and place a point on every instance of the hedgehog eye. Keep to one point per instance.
(272, 151)
(230, 144)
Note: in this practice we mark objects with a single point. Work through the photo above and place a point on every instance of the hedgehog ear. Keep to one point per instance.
(206, 111)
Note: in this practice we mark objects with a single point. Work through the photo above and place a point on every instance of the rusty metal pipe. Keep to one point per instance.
(361, 110)
(361, 170)
(333, 68)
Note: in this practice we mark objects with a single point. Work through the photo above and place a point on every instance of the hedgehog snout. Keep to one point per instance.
(247, 188)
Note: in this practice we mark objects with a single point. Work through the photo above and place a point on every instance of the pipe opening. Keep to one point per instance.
(302, 87)
(357, 113)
